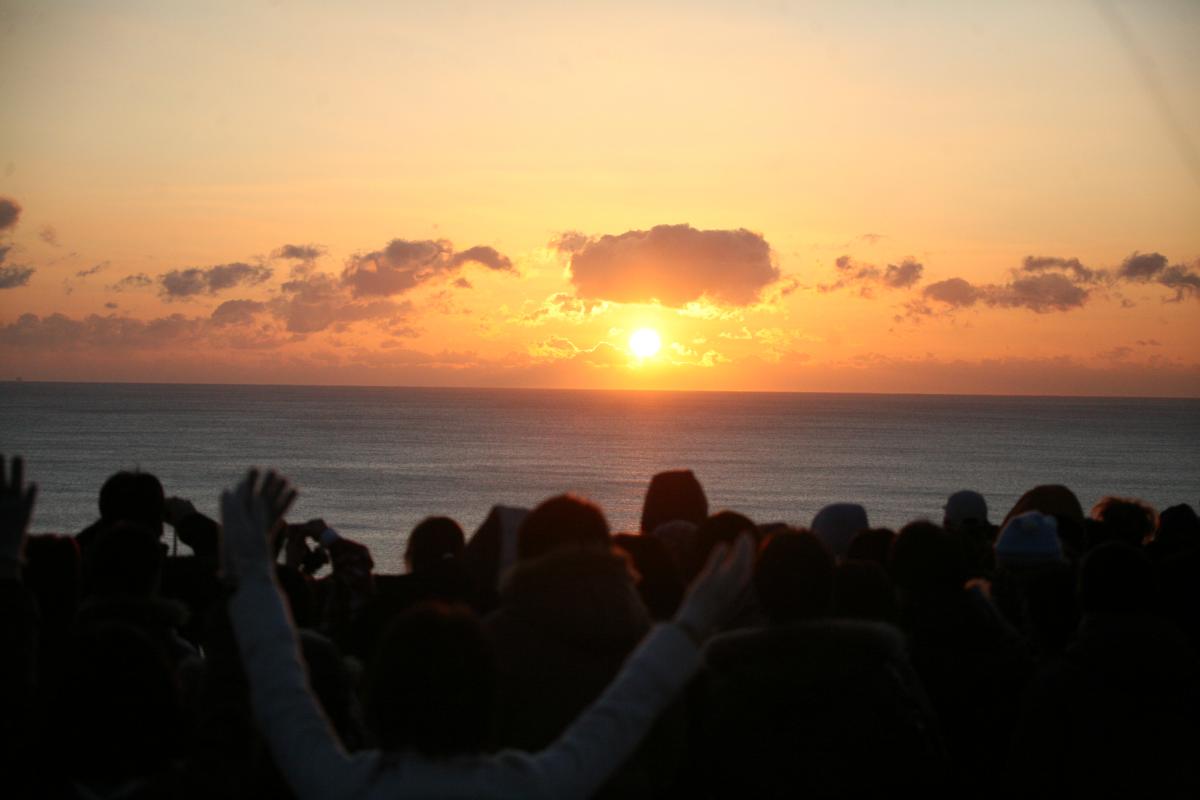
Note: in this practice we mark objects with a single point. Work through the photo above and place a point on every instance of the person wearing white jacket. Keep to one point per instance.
(313, 761)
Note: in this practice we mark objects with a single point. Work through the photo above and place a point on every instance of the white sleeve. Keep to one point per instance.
(605, 734)
(305, 747)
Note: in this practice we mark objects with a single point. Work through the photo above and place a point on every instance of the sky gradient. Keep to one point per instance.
(861, 196)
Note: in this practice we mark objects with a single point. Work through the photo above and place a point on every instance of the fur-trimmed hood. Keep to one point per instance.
(580, 598)
(805, 653)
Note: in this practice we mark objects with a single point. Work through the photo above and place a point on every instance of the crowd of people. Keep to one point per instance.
(704, 656)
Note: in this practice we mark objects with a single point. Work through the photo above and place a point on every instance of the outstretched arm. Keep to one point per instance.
(305, 747)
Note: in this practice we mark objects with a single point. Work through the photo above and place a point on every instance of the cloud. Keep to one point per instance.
(183, 283)
(1184, 281)
(137, 281)
(904, 275)
(563, 306)
(110, 305)
(59, 331)
(954, 292)
(92, 270)
(1136, 268)
(10, 212)
(1142, 266)
(1041, 284)
(403, 265)
(1071, 265)
(462, 283)
(673, 264)
(299, 252)
(602, 354)
(487, 256)
(854, 273)
(237, 312)
(569, 242)
(315, 302)
(112, 336)
(1043, 293)
(49, 235)
(14, 276)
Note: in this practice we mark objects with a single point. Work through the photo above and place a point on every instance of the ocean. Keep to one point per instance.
(373, 462)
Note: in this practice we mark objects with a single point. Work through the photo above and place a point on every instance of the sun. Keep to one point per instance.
(645, 342)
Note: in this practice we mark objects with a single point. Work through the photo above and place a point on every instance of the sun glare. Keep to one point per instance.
(644, 342)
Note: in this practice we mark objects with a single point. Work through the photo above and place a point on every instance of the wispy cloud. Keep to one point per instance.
(405, 264)
(185, 283)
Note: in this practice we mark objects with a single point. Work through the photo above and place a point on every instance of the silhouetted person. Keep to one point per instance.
(1118, 715)
(53, 576)
(659, 583)
(121, 579)
(127, 497)
(433, 541)
(682, 541)
(192, 580)
(569, 615)
(1178, 531)
(1122, 520)
(1176, 553)
(434, 555)
(118, 724)
(973, 665)
(490, 552)
(673, 495)
(966, 515)
(799, 707)
(723, 526)
(565, 522)
(1061, 503)
(432, 683)
(1034, 585)
(872, 544)
(836, 525)
(862, 590)
(594, 744)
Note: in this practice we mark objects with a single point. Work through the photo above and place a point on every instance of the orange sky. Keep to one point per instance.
(858, 196)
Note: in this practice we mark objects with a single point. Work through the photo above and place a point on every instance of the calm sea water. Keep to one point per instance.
(374, 461)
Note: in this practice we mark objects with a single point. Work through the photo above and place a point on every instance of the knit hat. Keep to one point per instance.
(965, 507)
(1028, 539)
(836, 525)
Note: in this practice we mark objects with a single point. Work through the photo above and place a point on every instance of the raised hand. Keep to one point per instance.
(175, 509)
(249, 515)
(16, 507)
(717, 588)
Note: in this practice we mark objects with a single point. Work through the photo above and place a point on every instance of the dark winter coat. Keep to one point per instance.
(825, 708)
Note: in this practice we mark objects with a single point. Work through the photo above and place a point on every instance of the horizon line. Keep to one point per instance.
(642, 390)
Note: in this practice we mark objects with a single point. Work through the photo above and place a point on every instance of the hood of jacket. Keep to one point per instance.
(805, 653)
(581, 598)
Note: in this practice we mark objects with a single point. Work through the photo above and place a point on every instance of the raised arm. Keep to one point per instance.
(305, 747)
